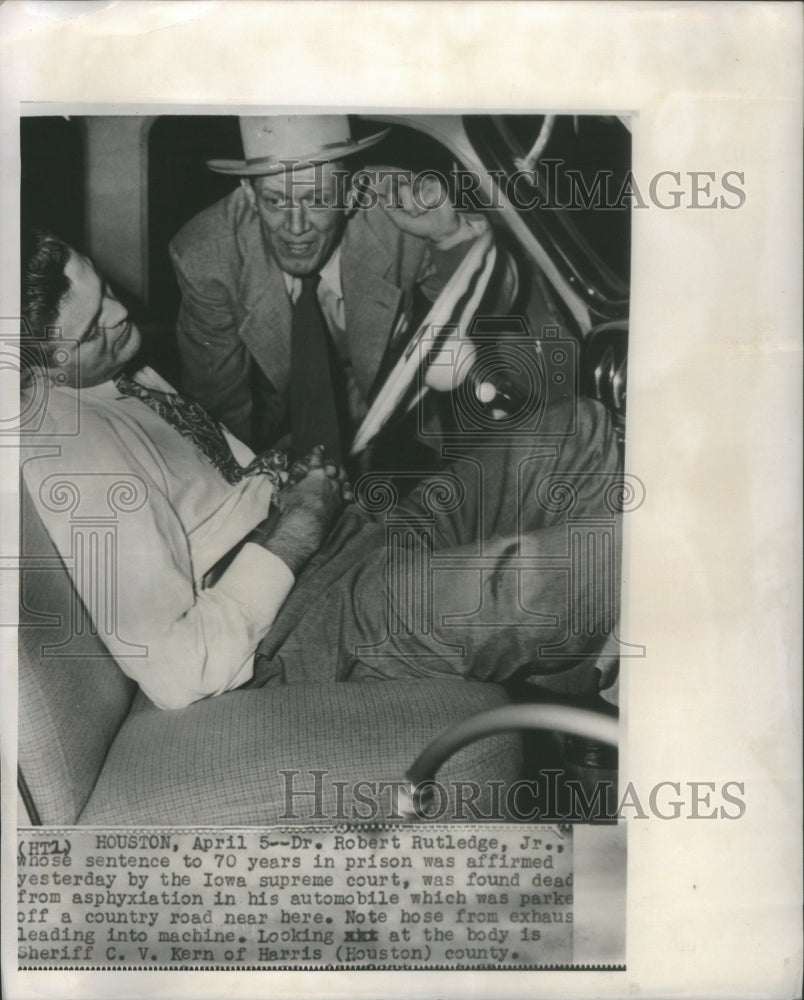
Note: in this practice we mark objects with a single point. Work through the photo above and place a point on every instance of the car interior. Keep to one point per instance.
(92, 748)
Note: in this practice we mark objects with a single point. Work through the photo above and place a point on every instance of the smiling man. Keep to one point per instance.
(292, 292)
(299, 215)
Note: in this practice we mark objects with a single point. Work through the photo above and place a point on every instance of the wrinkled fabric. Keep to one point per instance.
(520, 574)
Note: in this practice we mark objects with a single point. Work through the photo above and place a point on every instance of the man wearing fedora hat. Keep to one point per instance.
(292, 292)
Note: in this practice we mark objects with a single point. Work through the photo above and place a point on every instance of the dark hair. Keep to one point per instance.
(44, 289)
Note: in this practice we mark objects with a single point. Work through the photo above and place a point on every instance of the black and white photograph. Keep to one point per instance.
(361, 621)
(380, 522)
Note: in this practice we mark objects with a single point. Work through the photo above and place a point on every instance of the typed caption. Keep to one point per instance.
(343, 898)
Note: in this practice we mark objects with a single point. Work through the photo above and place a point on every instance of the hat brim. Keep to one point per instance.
(271, 165)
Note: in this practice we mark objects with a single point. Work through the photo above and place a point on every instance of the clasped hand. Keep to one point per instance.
(311, 465)
(314, 493)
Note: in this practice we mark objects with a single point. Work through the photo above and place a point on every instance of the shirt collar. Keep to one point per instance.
(144, 375)
(330, 275)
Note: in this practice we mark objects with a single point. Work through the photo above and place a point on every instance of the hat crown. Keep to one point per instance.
(293, 137)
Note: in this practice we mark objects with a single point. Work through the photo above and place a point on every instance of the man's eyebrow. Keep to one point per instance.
(290, 189)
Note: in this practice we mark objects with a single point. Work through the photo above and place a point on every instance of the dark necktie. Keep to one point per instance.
(317, 407)
(193, 422)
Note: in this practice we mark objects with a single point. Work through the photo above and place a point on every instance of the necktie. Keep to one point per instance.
(193, 422)
(317, 411)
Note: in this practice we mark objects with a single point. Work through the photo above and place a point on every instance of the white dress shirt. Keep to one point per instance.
(199, 641)
(329, 292)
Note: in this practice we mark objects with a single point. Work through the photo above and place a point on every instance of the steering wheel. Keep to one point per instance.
(442, 331)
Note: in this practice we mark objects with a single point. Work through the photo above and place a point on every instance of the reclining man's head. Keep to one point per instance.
(74, 321)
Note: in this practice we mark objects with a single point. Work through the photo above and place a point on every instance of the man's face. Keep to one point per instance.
(99, 338)
(301, 215)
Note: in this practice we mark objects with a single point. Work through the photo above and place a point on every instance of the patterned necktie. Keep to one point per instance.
(317, 408)
(193, 422)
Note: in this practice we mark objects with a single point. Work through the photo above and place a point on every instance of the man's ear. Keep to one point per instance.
(245, 183)
(354, 196)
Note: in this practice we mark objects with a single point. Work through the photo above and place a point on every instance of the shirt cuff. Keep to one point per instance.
(258, 580)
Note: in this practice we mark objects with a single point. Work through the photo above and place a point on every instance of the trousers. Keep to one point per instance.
(505, 562)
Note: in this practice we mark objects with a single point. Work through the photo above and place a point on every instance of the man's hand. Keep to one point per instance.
(309, 504)
(333, 469)
(418, 204)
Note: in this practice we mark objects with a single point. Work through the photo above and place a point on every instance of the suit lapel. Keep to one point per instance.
(265, 328)
(371, 301)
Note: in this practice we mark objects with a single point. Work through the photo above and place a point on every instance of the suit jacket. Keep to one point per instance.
(235, 312)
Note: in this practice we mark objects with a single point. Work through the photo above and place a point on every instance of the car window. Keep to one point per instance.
(574, 199)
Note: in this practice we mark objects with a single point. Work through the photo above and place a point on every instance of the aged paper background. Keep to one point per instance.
(712, 559)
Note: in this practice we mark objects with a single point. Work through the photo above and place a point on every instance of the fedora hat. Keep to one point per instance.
(273, 143)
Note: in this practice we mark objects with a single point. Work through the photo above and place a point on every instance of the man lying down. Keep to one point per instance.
(234, 571)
